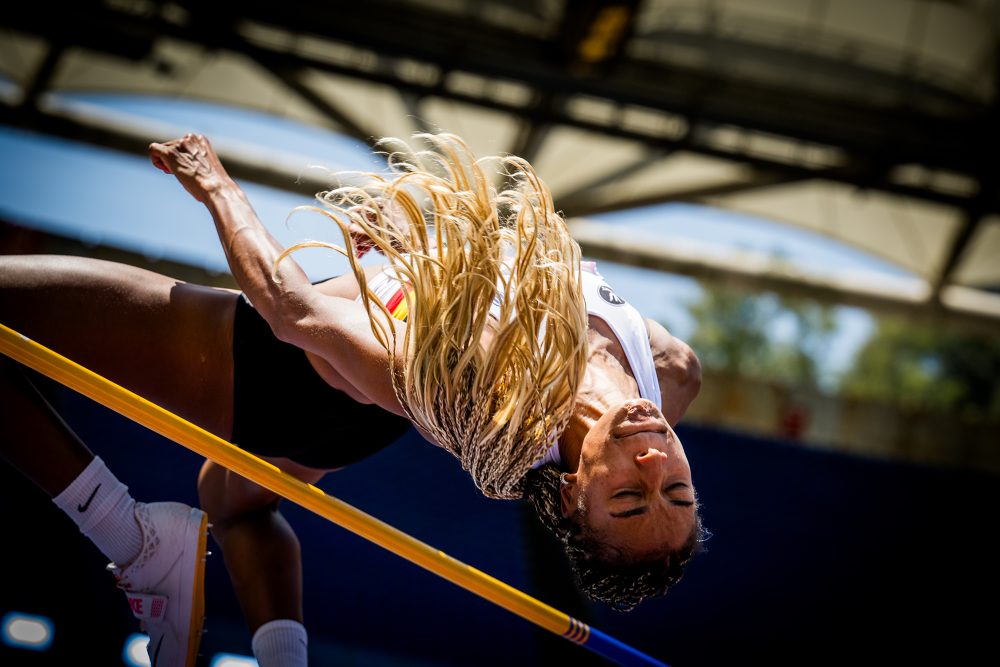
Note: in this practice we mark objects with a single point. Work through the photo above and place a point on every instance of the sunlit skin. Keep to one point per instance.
(630, 469)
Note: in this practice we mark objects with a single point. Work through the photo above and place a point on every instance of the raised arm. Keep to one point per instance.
(334, 328)
(677, 370)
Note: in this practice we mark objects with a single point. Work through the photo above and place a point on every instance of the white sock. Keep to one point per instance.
(280, 644)
(104, 511)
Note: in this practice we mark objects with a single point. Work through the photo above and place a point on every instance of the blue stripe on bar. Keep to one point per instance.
(614, 650)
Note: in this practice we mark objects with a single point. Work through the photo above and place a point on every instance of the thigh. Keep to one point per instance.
(167, 340)
(226, 495)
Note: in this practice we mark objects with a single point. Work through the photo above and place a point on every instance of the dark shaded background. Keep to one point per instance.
(815, 558)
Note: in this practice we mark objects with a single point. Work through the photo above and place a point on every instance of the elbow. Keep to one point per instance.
(282, 329)
(692, 373)
(288, 328)
(685, 385)
(288, 319)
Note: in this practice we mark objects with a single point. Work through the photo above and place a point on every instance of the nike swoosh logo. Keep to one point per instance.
(83, 507)
(156, 654)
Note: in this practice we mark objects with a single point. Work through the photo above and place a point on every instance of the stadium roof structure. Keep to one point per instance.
(872, 123)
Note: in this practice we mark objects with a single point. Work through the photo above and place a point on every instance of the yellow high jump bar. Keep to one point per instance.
(131, 405)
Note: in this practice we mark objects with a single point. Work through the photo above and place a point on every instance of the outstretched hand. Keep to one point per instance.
(193, 162)
(392, 217)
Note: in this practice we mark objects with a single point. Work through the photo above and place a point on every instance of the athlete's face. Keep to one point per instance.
(634, 481)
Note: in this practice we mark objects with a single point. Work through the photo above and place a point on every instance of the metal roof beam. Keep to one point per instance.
(871, 133)
(604, 241)
(556, 115)
(136, 139)
(291, 78)
(581, 205)
(989, 183)
(581, 192)
(43, 75)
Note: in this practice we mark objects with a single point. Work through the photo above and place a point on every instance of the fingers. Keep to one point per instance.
(158, 154)
(386, 215)
(161, 153)
(361, 241)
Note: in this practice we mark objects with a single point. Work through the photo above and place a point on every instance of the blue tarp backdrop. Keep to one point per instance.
(815, 558)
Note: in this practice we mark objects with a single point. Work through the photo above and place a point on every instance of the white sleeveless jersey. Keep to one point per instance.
(629, 328)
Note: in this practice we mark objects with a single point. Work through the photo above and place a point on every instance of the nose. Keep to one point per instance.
(652, 460)
(651, 454)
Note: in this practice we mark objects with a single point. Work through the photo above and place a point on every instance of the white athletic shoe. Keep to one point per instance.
(165, 583)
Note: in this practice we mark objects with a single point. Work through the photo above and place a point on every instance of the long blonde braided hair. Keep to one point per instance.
(461, 245)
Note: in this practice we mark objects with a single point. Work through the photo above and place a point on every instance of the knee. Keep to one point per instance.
(228, 498)
(208, 489)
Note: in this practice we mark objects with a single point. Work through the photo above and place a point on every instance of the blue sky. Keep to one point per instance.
(102, 196)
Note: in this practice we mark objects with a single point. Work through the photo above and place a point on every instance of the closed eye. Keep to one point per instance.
(678, 502)
(635, 511)
(632, 493)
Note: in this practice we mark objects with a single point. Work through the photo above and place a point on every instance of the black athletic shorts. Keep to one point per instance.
(282, 407)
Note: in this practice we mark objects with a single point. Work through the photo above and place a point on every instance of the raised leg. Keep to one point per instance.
(165, 339)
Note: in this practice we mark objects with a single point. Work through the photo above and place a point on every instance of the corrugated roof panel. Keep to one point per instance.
(570, 157)
(487, 132)
(980, 266)
(677, 172)
(912, 234)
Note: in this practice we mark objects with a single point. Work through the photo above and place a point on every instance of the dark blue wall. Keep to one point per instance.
(815, 558)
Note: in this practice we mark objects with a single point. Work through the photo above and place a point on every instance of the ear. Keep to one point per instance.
(567, 494)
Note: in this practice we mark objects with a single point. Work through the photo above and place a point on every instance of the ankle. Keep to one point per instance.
(281, 643)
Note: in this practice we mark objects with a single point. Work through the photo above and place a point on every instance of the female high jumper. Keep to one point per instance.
(484, 330)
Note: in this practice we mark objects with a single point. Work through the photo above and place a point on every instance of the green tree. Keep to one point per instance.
(736, 331)
(925, 367)
(913, 366)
